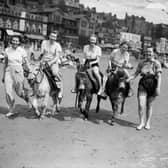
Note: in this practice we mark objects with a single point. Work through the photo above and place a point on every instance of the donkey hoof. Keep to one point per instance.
(110, 122)
(41, 117)
(38, 114)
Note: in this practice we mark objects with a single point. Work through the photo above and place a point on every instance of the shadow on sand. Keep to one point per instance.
(68, 113)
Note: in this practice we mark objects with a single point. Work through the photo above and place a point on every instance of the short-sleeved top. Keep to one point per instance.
(15, 56)
(92, 52)
(149, 67)
(119, 57)
(50, 51)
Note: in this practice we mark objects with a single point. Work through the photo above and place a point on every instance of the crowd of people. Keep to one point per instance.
(18, 56)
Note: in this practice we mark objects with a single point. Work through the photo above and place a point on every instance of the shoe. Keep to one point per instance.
(139, 127)
(103, 95)
(73, 91)
(9, 114)
(147, 127)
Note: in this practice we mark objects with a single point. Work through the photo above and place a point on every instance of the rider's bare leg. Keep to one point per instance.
(97, 74)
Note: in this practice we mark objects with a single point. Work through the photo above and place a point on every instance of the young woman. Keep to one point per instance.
(52, 53)
(120, 58)
(92, 54)
(13, 75)
(149, 86)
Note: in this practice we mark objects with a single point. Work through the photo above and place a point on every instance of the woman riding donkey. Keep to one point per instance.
(51, 54)
(120, 58)
(148, 88)
(115, 86)
(13, 74)
(92, 54)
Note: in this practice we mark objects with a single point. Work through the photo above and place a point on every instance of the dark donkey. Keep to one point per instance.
(116, 89)
(86, 85)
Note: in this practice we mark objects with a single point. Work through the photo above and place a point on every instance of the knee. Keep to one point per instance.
(55, 72)
(96, 71)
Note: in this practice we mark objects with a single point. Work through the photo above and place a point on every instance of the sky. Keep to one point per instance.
(150, 9)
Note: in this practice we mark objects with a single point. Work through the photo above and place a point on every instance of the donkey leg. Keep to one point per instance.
(112, 120)
(98, 103)
(122, 106)
(44, 105)
(55, 102)
(35, 107)
(87, 106)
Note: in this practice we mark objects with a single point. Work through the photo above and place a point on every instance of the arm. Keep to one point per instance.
(99, 53)
(57, 54)
(4, 67)
(137, 72)
(159, 80)
(84, 53)
(25, 62)
(158, 75)
(43, 51)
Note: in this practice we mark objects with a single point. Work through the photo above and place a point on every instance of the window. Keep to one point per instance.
(1, 22)
(84, 23)
(8, 24)
(15, 25)
(33, 28)
(39, 29)
(27, 27)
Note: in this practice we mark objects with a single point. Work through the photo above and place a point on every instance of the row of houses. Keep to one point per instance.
(37, 25)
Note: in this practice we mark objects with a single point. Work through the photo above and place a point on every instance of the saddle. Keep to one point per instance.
(54, 84)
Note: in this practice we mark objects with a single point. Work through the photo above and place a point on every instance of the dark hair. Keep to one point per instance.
(26, 41)
(54, 32)
(15, 36)
(123, 43)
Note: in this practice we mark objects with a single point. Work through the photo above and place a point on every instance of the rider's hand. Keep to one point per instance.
(128, 80)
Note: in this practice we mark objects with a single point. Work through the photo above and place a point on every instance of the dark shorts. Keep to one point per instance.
(88, 63)
(148, 84)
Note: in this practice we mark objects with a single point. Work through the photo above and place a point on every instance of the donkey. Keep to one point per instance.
(86, 85)
(117, 90)
(40, 79)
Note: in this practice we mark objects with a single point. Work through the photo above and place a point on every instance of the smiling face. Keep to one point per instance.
(124, 48)
(15, 42)
(92, 40)
(53, 36)
(149, 54)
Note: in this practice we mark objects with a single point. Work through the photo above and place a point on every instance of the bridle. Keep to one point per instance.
(34, 80)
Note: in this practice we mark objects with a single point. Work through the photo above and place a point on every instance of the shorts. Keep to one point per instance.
(90, 63)
(148, 84)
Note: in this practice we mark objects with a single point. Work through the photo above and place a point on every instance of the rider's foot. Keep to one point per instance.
(102, 94)
(9, 114)
(73, 91)
(139, 127)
